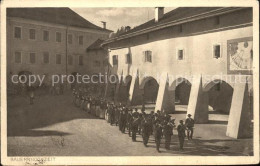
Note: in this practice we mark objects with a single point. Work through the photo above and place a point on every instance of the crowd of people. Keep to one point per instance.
(132, 121)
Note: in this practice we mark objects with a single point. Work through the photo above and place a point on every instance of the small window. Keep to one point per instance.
(115, 60)
(80, 60)
(217, 20)
(216, 51)
(97, 63)
(18, 57)
(32, 58)
(58, 37)
(70, 60)
(58, 59)
(80, 40)
(45, 35)
(45, 57)
(128, 59)
(32, 34)
(180, 28)
(148, 56)
(180, 55)
(18, 32)
(70, 38)
(105, 62)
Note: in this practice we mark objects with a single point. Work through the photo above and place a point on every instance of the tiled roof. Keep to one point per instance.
(96, 45)
(64, 16)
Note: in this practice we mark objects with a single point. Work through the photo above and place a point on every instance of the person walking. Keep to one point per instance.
(181, 133)
(158, 135)
(168, 132)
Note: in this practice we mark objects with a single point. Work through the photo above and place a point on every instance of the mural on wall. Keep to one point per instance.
(240, 55)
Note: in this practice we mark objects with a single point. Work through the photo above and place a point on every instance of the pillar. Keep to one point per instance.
(198, 102)
(163, 101)
(135, 93)
(239, 116)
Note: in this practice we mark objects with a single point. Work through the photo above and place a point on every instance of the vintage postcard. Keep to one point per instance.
(129, 82)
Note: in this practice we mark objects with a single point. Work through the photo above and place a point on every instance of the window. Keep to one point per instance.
(58, 59)
(18, 57)
(18, 32)
(32, 58)
(45, 57)
(97, 63)
(80, 60)
(105, 62)
(180, 28)
(32, 34)
(180, 54)
(70, 60)
(216, 51)
(115, 60)
(128, 59)
(216, 21)
(148, 56)
(58, 37)
(80, 40)
(70, 38)
(45, 35)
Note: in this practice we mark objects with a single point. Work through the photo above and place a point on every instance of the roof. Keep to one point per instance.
(174, 17)
(96, 45)
(64, 16)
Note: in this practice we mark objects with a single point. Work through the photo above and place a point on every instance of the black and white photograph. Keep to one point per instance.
(94, 83)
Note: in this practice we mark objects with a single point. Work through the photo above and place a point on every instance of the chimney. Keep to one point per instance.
(159, 11)
(104, 24)
(127, 28)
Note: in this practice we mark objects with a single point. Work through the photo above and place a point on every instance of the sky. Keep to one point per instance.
(118, 17)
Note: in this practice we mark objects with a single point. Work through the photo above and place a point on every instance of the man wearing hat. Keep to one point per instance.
(168, 131)
(189, 123)
(181, 133)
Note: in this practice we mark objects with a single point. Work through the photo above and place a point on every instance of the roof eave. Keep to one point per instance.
(172, 23)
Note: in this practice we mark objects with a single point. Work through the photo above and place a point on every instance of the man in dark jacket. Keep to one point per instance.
(168, 132)
(181, 133)
(145, 130)
(158, 135)
(134, 127)
(189, 123)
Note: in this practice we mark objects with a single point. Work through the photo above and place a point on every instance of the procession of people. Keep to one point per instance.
(129, 120)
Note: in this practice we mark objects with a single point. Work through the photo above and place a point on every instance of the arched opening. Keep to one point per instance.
(150, 91)
(219, 96)
(180, 94)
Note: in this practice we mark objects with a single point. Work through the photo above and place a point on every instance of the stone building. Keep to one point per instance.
(49, 41)
(200, 57)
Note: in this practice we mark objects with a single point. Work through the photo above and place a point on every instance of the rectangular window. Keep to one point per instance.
(58, 59)
(80, 40)
(80, 60)
(70, 38)
(18, 57)
(18, 32)
(32, 58)
(32, 34)
(115, 60)
(180, 55)
(58, 37)
(148, 56)
(216, 51)
(128, 59)
(70, 60)
(46, 58)
(45, 35)
(180, 28)
(97, 63)
(217, 20)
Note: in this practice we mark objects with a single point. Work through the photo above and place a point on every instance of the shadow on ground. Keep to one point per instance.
(22, 118)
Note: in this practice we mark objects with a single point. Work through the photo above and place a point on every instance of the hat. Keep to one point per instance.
(181, 121)
(189, 115)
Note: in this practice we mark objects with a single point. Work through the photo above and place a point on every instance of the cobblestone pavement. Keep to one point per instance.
(54, 126)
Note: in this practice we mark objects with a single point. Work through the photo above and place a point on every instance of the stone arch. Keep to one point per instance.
(127, 79)
(177, 82)
(145, 80)
(208, 85)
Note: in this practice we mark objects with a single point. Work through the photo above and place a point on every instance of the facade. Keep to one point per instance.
(37, 42)
(199, 57)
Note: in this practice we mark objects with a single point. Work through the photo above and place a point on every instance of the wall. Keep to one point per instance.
(25, 45)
